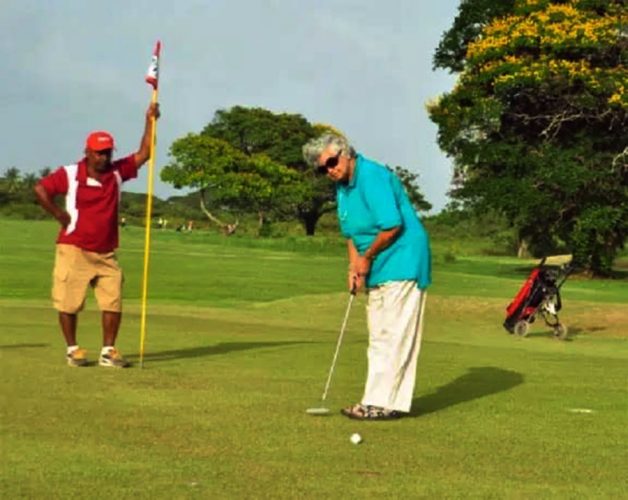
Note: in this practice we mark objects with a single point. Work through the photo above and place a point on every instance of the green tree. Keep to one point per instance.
(280, 136)
(411, 182)
(472, 16)
(12, 179)
(29, 180)
(536, 126)
(225, 176)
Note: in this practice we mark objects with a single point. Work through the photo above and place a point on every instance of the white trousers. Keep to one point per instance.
(395, 321)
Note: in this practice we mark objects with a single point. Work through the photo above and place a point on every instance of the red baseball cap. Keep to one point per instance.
(100, 140)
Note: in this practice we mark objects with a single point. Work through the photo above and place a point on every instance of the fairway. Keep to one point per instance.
(240, 336)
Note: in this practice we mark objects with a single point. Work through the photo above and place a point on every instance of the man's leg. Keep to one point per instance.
(68, 327)
(69, 286)
(110, 356)
(74, 355)
(110, 327)
(108, 290)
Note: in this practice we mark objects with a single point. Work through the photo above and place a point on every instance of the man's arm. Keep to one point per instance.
(47, 202)
(383, 240)
(143, 153)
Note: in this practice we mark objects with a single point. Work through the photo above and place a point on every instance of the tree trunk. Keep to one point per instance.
(228, 229)
(523, 252)
(260, 222)
(310, 220)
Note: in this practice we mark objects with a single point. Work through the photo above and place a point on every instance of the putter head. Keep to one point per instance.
(317, 411)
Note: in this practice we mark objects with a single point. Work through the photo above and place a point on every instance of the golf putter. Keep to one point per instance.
(323, 410)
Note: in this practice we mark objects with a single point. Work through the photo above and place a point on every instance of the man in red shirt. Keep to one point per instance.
(85, 250)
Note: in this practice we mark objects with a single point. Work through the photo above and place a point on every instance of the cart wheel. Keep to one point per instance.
(560, 331)
(521, 328)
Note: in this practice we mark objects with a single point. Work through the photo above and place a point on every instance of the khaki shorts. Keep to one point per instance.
(76, 269)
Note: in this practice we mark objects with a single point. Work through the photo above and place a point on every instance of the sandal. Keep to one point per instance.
(368, 412)
(357, 411)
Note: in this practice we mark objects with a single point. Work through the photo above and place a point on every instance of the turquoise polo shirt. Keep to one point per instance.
(373, 201)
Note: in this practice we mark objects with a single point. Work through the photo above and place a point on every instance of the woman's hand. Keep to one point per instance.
(352, 281)
(358, 273)
(363, 266)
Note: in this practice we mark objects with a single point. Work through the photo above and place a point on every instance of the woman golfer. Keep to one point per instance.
(389, 256)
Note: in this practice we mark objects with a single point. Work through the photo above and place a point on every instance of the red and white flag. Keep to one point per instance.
(152, 75)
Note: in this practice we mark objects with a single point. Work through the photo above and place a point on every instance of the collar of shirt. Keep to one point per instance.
(352, 182)
(84, 179)
(81, 171)
(356, 170)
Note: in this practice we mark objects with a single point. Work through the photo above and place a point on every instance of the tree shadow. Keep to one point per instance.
(22, 346)
(477, 383)
(619, 274)
(210, 350)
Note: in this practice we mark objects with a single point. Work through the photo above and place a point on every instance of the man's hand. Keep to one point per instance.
(143, 153)
(48, 204)
(153, 111)
(63, 218)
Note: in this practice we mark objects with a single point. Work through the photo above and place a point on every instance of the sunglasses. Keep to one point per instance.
(332, 162)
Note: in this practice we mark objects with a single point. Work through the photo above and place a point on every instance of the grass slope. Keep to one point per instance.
(241, 334)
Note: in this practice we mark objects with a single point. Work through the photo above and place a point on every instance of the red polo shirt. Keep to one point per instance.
(92, 204)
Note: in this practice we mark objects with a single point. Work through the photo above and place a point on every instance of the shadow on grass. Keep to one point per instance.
(22, 346)
(572, 332)
(210, 350)
(477, 383)
(575, 330)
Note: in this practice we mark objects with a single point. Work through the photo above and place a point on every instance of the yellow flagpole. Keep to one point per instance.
(149, 210)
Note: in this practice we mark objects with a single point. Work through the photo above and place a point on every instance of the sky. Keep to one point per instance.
(363, 66)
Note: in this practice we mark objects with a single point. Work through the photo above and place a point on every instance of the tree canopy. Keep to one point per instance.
(410, 182)
(280, 136)
(472, 16)
(16, 193)
(537, 124)
(225, 176)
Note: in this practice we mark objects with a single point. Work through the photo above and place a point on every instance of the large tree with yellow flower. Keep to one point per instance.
(537, 124)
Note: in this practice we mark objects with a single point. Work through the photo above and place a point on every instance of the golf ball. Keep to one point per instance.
(356, 438)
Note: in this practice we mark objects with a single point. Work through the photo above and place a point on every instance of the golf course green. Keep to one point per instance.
(241, 333)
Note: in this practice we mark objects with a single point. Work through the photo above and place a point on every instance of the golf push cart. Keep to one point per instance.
(539, 296)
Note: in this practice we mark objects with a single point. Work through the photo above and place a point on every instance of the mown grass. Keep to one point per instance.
(241, 334)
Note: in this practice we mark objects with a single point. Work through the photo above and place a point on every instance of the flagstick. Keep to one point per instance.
(149, 210)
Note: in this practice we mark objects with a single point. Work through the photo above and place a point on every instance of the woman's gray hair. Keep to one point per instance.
(313, 149)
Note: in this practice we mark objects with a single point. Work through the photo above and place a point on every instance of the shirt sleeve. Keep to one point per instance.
(55, 183)
(126, 167)
(380, 198)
